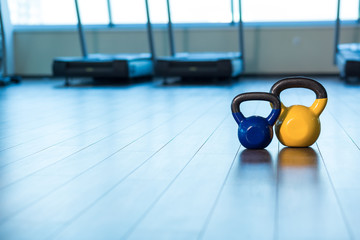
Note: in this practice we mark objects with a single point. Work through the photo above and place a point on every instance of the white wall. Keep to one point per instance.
(268, 50)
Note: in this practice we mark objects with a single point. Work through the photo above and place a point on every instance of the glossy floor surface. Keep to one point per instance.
(146, 161)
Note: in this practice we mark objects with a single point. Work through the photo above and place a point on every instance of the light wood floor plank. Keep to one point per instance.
(110, 139)
(145, 161)
(59, 137)
(248, 195)
(185, 206)
(340, 153)
(247, 199)
(307, 204)
(73, 170)
(76, 164)
(161, 169)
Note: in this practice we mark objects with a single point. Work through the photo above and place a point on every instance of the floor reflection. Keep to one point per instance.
(298, 164)
(255, 156)
(256, 165)
(298, 157)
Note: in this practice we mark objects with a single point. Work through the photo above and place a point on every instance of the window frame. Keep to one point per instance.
(139, 26)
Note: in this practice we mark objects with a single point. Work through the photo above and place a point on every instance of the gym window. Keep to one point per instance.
(95, 12)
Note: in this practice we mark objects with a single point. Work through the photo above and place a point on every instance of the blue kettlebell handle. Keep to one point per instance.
(276, 105)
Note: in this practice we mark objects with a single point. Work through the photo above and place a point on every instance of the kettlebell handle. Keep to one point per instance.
(303, 82)
(299, 82)
(274, 100)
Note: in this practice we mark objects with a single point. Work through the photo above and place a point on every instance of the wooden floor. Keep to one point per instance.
(146, 161)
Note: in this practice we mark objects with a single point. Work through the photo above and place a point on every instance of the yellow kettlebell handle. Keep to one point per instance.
(303, 82)
(318, 106)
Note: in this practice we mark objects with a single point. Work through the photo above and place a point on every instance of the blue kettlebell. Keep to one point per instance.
(255, 132)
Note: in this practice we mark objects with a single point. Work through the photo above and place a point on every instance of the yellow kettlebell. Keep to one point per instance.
(298, 125)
